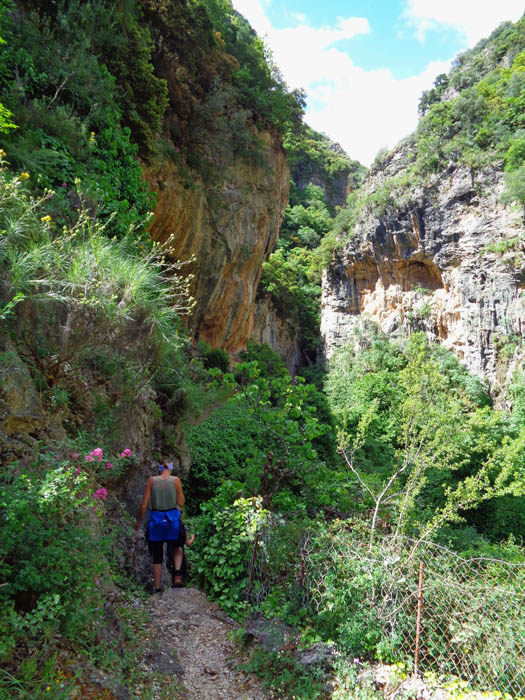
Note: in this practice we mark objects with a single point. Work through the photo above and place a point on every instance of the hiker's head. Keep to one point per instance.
(165, 463)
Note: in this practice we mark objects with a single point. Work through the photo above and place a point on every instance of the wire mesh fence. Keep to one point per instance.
(472, 614)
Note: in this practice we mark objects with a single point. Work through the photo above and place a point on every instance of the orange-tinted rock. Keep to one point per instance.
(430, 264)
(230, 230)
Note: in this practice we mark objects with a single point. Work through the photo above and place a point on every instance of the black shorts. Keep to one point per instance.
(156, 549)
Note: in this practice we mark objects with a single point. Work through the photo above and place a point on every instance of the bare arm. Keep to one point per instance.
(180, 495)
(144, 504)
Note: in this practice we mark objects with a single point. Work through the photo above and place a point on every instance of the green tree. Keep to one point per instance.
(515, 187)
(441, 458)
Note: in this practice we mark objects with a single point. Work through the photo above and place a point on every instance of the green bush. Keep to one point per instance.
(219, 448)
(214, 358)
(69, 110)
(284, 677)
(285, 278)
(515, 155)
(450, 449)
(226, 533)
(269, 362)
(515, 187)
(51, 550)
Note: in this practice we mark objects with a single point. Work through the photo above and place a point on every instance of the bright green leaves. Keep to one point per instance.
(226, 533)
(50, 555)
(70, 111)
(477, 124)
(268, 436)
(419, 437)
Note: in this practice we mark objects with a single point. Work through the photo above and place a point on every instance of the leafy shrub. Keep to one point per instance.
(219, 448)
(267, 436)
(284, 677)
(51, 549)
(214, 358)
(515, 187)
(515, 155)
(430, 97)
(269, 362)
(285, 277)
(306, 225)
(454, 451)
(226, 532)
(70, 114)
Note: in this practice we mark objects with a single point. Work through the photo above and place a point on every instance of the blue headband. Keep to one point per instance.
(162, 467)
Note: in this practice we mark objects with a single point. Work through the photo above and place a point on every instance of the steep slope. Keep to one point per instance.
(185, 90)
(433, 240)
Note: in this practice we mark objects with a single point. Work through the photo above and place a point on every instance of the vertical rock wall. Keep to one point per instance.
(433, 266)
(230, 229)
(278, 332)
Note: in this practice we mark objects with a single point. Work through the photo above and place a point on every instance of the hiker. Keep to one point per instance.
(165, 522)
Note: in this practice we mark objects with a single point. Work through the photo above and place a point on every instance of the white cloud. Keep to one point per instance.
(362, 110)
(253, 10)
(371, 109)
(474, 19)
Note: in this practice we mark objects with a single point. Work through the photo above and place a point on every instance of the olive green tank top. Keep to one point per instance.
(163, 494)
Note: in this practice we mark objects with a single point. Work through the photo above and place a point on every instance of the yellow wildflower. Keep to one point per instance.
(24, 176)
(2, 153)
(46, 219)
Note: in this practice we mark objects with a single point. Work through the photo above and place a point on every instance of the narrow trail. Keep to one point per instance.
(194, 645)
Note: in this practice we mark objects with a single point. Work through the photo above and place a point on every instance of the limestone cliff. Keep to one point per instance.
(427, 242)
(447, 260)
(277, 331)
(229, 229)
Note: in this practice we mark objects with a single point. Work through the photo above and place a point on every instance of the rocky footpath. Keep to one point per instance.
(195, 650)
(446, 259)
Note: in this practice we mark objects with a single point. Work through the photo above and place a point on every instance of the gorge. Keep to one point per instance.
(332, 357)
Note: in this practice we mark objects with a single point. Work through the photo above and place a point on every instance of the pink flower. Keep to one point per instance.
(126, 453)
(78, 470)
(109, 465)
(74, 455)
(89, 458)
(100, 458)
(100, 494)
(97, 452)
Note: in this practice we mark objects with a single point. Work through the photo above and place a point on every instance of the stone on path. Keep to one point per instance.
(195, 646)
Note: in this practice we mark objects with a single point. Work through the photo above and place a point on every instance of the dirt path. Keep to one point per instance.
(194, 646)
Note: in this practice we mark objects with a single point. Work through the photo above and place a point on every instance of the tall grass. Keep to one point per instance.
(93, 289)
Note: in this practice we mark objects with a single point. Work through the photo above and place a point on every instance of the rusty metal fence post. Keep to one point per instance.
(418, 618)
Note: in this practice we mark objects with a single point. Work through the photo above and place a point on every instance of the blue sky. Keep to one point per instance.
(364, 63)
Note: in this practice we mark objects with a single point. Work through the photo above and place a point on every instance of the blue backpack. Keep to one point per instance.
(163, 525)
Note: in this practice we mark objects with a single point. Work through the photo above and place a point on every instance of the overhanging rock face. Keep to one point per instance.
(432, 265)
(229, 230)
